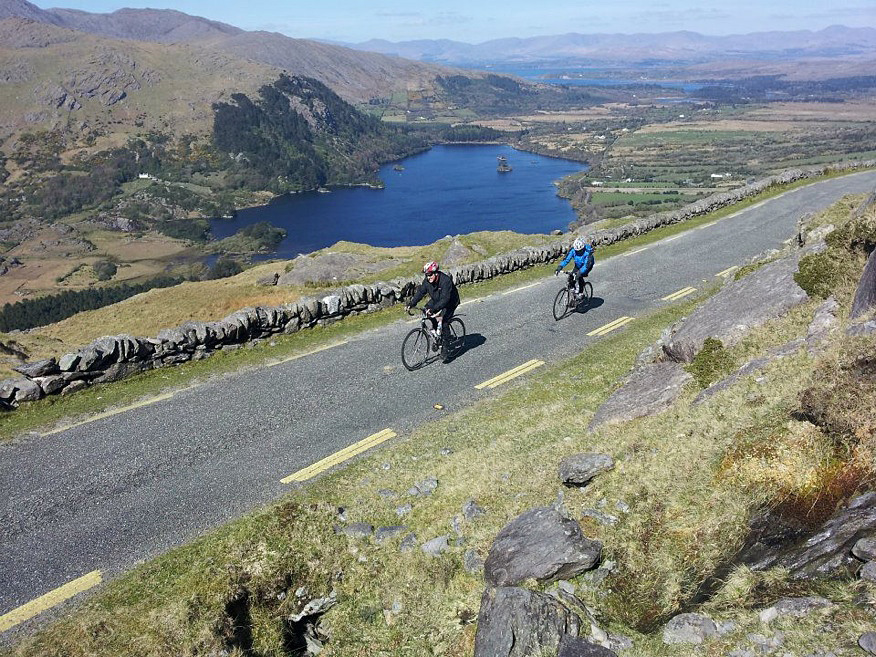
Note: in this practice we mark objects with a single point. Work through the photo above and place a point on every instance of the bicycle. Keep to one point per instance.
(568, 299)
(423, 344)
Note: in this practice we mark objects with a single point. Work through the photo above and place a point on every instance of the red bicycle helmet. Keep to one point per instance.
(430, 267)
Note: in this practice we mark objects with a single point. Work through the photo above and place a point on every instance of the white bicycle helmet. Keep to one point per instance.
(578, 244)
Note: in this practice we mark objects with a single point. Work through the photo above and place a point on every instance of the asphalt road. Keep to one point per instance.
(110, 493)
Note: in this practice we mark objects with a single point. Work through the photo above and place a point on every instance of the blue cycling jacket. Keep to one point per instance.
(583, 262)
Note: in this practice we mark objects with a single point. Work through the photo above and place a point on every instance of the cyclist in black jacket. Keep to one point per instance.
(443, 300)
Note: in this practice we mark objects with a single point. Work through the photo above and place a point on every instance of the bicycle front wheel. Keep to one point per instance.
(415, 349)
(561, 303)
(587, 294)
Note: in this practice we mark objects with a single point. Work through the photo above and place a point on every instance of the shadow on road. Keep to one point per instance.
(469, 342)
(594, 302)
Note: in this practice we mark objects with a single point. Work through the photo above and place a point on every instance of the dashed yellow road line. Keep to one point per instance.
(727, 271)
(339, 457)
(308, 353)
(115, 411)
(683, 292)
(644, 248)
(611, 326)
(49, 600)
(528, 366)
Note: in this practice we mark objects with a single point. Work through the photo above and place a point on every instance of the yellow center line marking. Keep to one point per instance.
(524, 287)
(611, 326)
(510, 374)
(683, 292)
(49, 600)
(116, 411)
(727, 271)
(339, 457)
(644, 248)
(307, 353)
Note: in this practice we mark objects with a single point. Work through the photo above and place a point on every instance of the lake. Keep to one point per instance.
(448, 190)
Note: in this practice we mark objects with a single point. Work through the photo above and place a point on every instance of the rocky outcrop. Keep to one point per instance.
(646, 391)
(828, 551)
(865, 295)
(541, 544)
(515, 622)
(740, 306)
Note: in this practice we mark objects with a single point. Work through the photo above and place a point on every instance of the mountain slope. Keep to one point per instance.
(356, 75)
(53, 77)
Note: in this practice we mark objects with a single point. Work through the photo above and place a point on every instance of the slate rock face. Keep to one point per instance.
(751, 301)
(865, 295)
(647, 390)
(542, 544)
(829, 550)
(579, 469)
(514, 622)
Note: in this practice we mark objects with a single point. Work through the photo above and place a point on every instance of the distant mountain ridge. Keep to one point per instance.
(834, 41)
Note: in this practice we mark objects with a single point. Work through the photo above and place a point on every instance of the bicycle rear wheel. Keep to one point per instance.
(415, 349)
(456, 331)
(561, 303)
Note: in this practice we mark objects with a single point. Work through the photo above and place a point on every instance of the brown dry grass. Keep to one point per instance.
(853, 110)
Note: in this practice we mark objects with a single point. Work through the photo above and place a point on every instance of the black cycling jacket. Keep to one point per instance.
(442, 295)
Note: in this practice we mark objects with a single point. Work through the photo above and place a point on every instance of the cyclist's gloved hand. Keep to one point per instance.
(557, 272)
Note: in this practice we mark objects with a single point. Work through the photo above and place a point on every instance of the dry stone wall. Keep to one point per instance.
(113, 358)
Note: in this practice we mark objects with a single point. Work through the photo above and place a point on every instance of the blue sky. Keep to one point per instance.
(475, 21)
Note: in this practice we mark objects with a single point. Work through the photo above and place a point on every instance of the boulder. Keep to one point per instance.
(741, 305)
(27, 390)
(579, 469)
(436, 546)
(867, 641)
(269, 280)
(648, 390)
(119, 371)
(689, 629)
(542, 544)
(74, 386)
(865, 548)
(50, 384)
(331, 305)
(514, 622)
(865, 295)
(38, 368)
(68, 362)
(868, 572)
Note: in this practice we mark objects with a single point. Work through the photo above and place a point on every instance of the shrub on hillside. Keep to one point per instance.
(104, 270)
(711, 363)
(225, 267)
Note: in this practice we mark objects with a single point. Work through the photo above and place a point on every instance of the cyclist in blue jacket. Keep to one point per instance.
(582, 253)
